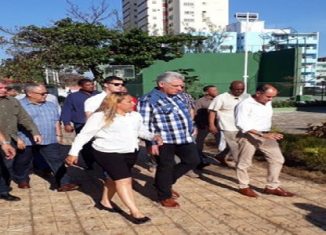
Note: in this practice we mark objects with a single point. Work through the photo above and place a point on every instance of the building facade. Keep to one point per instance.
(159, 17)
(252, 36)
(321, 71)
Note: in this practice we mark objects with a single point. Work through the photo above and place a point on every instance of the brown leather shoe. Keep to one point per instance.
(175, 194)
(170, 202)
(248, 192)
(24, 185)
(278, 192)
(68, 187)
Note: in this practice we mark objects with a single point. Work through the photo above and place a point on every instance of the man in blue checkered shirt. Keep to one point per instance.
(46, 117)
(166, 112)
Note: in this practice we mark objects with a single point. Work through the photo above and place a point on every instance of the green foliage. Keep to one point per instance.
(193, 86)
(23, 69)
(85, 46)
(305, 151)
(293, 103)
(136, 47)
(284, 104)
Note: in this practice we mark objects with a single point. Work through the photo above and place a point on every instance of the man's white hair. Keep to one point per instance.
(169, 76)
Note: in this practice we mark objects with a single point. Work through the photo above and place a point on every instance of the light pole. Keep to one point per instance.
(241, 17)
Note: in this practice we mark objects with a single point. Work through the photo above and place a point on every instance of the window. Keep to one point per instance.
(189, 12)
(189, 20)
(190, 4)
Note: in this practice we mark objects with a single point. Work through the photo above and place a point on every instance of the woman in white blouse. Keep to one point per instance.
(115, 128)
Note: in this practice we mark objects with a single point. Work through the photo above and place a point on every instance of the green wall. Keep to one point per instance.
(215, 69)
(282, 69)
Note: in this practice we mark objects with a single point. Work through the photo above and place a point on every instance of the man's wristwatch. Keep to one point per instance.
(4, 142)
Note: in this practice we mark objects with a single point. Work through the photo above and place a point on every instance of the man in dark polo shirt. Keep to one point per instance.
(73, 114)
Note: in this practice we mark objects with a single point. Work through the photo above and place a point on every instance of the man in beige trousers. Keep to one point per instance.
(254, 118)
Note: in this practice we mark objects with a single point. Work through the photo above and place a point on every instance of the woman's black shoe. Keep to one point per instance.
(141, 220)
(112, 210)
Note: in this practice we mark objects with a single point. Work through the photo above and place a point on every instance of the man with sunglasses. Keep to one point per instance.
(111, 84)
(46, 117)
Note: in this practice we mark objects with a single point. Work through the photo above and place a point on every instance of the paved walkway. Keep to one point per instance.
(209, 205)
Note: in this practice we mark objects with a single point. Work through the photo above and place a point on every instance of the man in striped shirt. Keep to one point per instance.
(166, 113)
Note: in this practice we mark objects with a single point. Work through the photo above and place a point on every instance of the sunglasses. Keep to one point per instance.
(117, 84)
(42, 94)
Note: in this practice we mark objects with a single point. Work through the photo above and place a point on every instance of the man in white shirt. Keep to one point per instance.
(221, 113)
(111, 84)
(254, 119)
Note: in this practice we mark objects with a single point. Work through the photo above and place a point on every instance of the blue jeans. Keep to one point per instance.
(52, 155)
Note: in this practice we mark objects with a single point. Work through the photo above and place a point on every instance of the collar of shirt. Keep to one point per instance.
(28, 102)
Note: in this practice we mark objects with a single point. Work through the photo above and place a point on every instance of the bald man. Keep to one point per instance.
(254, 119)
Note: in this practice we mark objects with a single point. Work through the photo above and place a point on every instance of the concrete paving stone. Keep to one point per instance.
(119, 231)
(146, 229)
(93, 226)
(69, 228)
(171, 230)
(209, 205)
(286, 223)
(160, 220)
(195, 229)
(17, 233)
(50, 229)
(19, 228)
(116, 221)
(307, 230)
(193, 197)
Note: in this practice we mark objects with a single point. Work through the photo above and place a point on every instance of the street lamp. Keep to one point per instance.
(246, 17)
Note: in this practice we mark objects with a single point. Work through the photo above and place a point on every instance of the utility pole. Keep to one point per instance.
(246, 17)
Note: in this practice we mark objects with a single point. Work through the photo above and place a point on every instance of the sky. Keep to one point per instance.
(301, 15)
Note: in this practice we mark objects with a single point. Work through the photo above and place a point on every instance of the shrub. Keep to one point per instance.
(308, 152)
(283, 104)
(293, 103)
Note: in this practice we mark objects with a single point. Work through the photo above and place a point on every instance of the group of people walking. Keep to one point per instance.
(108, 131)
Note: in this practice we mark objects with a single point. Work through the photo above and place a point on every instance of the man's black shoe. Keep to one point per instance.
(9, 197)
(202, 165)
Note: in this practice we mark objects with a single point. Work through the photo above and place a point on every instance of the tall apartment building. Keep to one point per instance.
(321, 70)
(159, 17)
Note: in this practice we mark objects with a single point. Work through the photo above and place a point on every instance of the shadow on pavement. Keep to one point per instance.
(316, 216)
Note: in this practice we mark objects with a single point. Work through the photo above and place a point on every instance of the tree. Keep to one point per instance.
(96, 15)
(213, 38)
(85, 46)
(136, 47)
(23, 68)
(192, 82)
(67, 42)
